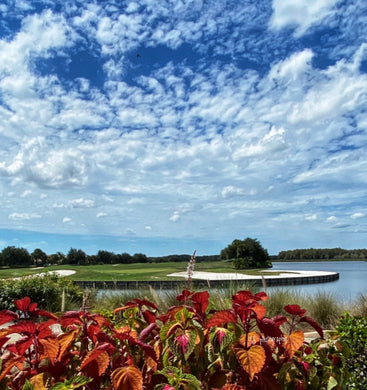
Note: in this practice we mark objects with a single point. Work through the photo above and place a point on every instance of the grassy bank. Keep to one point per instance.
(126, 272)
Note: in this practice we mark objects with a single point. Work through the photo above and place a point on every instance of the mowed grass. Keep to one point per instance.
(134, 272)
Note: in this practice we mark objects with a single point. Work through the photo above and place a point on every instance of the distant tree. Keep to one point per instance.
(12, 256)
(104, 257)
(123, 258)
(39, 257)
(247, 253)
(76, 256)
(140, 258)
(57, 258)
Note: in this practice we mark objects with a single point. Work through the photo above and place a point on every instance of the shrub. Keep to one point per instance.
(47, 290)
(353, 330)
(188, 347)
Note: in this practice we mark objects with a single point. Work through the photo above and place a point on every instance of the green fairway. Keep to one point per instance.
(125, 272)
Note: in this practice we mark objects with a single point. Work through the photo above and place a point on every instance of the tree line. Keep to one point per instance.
(12, 256)
(323, 254)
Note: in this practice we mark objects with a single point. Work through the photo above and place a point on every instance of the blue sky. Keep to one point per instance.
(172, 126)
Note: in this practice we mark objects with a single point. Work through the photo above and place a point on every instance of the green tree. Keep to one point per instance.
(104, 257)
(57, 258)
(12, 256)
(39, 257)
(123, 258)
(247, 253)
(76, 256)
(140, 258)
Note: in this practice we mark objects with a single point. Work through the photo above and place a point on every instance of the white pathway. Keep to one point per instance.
(240, 276)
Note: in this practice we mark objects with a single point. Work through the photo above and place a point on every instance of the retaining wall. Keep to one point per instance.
(195, 283)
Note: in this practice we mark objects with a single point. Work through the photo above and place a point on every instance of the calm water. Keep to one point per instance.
(352, 277)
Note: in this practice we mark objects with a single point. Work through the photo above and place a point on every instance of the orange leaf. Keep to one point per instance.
(51, 347)
(8, 366)
(293, 342)
(260, 311)
(95, 363)
(252, 360)
(127, 378)
(252, 339)
(231, 386)
(66, 339)
(221, 317)
(39, 381)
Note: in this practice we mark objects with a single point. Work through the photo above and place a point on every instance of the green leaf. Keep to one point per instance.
(27, 385)
(71, 384)
(332, 382)
(191, 381)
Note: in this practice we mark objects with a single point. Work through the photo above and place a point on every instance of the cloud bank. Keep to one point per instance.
(185, 120)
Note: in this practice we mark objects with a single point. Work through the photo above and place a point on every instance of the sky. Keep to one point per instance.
(168, 126)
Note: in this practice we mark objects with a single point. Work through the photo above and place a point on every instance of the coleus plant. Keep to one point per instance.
(189, 347)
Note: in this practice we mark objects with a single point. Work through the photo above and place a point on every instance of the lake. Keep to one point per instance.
(352, 277)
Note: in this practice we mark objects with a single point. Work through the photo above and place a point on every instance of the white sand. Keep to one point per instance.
(60, 272)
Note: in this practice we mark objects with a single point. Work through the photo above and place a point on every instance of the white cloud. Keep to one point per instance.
(332, 219)
(300, 14)
(81, 203)
(23, 216)
(312, 217)
(26, 193)
(243, 127)
(357, 215)
(175, 217)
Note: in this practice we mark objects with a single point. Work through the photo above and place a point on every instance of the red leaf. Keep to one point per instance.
(97, 360)
(200, 301)
(32, 307)
(70, 318)
(243, 296)
(4, 340)
(261, 296)
(146, 332)
(23, 344)
(149, 350)
(314, 324)
(221, 317)
(184, 295)
(145, 302)
(47, 314)
(7, 316)
(127, 378)
(269, 328)
(22, 304)
(44, 329)
(149, 316)
(294, 310)
(279, 319)
(24, 327)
